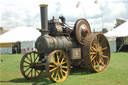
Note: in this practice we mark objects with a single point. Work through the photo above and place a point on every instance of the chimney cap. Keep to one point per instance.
(43, 5)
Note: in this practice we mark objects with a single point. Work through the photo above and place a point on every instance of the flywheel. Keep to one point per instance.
(58, 66)
(96, 52)
(81, 30)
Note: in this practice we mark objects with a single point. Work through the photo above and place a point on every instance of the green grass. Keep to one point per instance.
(116, 74)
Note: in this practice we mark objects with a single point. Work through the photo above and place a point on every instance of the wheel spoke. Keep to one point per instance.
(61, 73)
(64, 71)
(26, 62)
(30, 58)
(102, 62)
(36, 58)
(53, 69)
(26, 66)
(94, 63)
(26, 69)
(58, 58)
(93, 57)
(54, 62)
(62, 60)
(92, 53)
(29, 72)
(93, 48)
(98, 65)
(51, 65)
(64, 67)
(35, 72)
(52, 74)
(58, 75)
(104, 48)
(104, 56)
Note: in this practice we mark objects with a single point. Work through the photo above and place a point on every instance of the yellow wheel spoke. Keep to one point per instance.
(92, 53)
(52, 74)
(64, 71)
(58, 58)
(53, 69)
(92, 58)
(104, 56)
(51, 65)
(102, 61)
(93, 48)
(64, 67)
(98, 65)
(63, 62)
(54, 62)
(104, 48)
(61, 73)
(58, 75)
(94, 63)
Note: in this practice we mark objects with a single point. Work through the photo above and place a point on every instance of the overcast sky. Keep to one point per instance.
(15, 13)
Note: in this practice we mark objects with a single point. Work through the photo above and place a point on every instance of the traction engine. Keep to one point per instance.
(61, 47)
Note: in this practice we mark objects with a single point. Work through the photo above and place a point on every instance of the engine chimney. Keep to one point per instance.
(44, 18)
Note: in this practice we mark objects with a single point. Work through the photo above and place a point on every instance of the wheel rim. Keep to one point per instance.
(98, 55)
(58, 66)
(26, 65)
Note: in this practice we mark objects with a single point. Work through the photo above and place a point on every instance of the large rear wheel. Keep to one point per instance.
(96, 52)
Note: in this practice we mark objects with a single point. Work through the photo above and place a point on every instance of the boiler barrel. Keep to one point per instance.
(46, 43)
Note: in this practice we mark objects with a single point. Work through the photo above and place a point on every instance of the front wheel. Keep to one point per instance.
(26, 65)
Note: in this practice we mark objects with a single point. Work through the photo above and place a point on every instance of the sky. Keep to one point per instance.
(103, 14)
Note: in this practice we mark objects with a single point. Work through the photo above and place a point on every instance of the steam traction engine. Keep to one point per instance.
(59, 48)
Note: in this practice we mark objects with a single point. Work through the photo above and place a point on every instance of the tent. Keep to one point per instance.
(120, 31)
(25, 35)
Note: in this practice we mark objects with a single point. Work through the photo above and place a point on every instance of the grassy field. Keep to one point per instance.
(116, 74)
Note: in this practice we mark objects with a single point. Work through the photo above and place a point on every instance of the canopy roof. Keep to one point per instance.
(20, 34)
(120, 31)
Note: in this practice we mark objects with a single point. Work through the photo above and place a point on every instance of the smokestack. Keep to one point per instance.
(44, 18)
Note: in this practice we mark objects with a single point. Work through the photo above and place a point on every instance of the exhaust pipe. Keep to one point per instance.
(44, 18)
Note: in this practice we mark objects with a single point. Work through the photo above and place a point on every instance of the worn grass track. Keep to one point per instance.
(116, 74)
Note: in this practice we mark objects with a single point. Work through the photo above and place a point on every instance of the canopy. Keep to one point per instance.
(120, 31)
(20, 34)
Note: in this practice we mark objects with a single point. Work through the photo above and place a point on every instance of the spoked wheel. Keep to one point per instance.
(27, 65)
(96, 52)
(58, 66)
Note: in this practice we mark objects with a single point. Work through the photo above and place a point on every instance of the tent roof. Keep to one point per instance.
(20, 34)
(120, 31)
